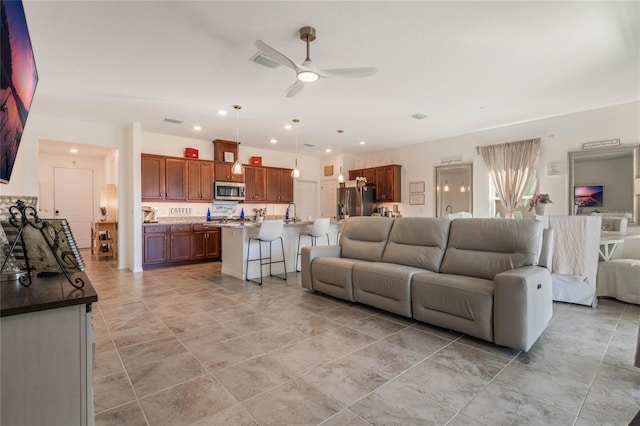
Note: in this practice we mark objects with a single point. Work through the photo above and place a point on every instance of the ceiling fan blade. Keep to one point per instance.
(274, 54)
(294, 89)
(347, 72)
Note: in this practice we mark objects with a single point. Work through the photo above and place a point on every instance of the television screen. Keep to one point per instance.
(588, 196)
(18, 82)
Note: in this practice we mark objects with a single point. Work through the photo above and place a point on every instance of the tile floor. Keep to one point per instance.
(190, 346)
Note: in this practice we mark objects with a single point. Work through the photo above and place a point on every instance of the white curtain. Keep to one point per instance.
(511, 166)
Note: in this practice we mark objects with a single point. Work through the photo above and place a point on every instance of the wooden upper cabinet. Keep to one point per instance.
(200, 181)
(279, 185)
(353, 174)
(388, 184)
(368, 174)
(255, 184)
(175, 179)
(153, 177)
(221, 146)
(223, 173)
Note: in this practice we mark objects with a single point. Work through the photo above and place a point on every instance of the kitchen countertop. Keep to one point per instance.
(44, 293)
(235, 223)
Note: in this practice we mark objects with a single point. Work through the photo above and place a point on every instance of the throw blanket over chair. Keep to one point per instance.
(575, 258)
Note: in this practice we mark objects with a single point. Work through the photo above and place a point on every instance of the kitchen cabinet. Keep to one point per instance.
(388, 184)
(205, 242)
(255, 184)
(223, 173)
(279, 185)
(179, 242)
(369, 174)
(200, 181)
(163, 178)
(154, 245)
(221, 146)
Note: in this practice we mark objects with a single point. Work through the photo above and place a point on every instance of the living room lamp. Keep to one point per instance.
(295, 173)
(237, 168)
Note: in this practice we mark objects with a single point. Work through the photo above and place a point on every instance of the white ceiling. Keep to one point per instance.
(467, 65)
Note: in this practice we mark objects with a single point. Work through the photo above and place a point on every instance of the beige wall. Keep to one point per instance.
(569, 132)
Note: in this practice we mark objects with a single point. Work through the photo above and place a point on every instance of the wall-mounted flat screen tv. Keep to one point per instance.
(18, 82)
(588, 196)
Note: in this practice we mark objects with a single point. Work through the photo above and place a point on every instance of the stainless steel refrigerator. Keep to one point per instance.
(354, 201)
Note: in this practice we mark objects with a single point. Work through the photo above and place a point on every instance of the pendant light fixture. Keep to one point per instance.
(295, 173)
(340, 176)
(237, 168)
(446, 186)
(463, 188)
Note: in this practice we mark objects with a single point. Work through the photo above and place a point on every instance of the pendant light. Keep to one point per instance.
(463, 188)
(237, 168)
(295, 173)
(446, 186)
(340, 176)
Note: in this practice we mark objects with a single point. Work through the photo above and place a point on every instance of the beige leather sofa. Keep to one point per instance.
(477, 276)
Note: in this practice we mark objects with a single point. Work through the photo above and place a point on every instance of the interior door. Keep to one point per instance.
(306, 197)
(328, 206)
(73, 200)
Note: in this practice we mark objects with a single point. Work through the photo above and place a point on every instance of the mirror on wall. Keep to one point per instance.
(603, 181)
(454, 186)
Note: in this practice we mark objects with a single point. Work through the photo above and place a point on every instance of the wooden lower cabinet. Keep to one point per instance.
(166, 244)
(205, 242)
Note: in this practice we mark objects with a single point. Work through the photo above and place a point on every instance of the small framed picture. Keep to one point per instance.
(416, 199)
(229, 157)
(416, 187)
(328, 170)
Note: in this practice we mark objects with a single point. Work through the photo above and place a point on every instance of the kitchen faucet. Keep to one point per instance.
(294, 211)
(448, 209)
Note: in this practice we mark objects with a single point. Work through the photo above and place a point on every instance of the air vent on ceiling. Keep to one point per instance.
(261, 59)
(173, 120)
(418, 116)
(309, 145)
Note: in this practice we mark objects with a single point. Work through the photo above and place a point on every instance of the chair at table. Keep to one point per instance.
(320, 228)
(270, 230)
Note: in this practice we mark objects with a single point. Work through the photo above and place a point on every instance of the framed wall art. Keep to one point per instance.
(416, 187)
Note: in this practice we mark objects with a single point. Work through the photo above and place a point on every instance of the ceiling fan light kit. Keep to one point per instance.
(307, 72)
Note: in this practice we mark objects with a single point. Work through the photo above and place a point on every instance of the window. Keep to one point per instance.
(523, 207)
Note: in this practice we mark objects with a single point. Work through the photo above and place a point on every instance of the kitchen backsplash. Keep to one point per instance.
(217, 210)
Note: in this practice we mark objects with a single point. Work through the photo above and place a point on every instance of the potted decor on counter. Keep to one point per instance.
(539, 202)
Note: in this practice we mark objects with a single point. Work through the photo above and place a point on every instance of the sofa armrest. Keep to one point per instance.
(523, 305)
(309, 253)
(546, 251)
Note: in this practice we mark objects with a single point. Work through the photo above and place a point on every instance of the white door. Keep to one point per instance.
(73, 200)
(306, 198)
(328, 201)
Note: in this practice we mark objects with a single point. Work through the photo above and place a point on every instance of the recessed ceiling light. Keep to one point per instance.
(222, 112)
(197, 128)
(362, 142)
(287, 126)
(273, 140)
(327, 150)
(73, 151)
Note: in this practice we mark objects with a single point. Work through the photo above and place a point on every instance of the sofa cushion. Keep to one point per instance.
(364, 237)
(333, 276)
(454, 301)
(384, 285)
(485, 247)
(417, 241)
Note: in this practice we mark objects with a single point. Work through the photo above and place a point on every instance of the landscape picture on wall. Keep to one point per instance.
(18, 82)
(588, 196)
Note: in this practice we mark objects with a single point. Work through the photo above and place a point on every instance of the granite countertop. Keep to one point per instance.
(233, 223)
(44, 293)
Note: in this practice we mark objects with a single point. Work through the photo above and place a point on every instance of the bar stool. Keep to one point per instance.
(270, 230)
(320, 228)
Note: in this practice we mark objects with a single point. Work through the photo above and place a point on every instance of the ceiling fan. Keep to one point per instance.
(307, 72)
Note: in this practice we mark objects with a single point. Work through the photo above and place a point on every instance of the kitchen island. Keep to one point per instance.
(235, 237)
(47, 352)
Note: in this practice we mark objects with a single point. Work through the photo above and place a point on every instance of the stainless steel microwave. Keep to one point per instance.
(228, 191)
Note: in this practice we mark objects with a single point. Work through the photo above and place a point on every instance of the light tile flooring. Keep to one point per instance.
(190, 346)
